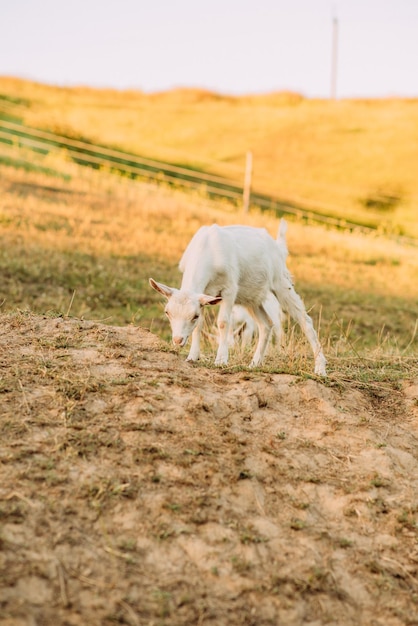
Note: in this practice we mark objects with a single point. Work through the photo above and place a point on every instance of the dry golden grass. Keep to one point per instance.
(341, 158)
(103, 214)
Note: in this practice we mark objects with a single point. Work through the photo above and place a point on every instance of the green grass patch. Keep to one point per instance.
(27, 166)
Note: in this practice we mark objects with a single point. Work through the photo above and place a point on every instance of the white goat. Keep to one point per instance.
(234, 265)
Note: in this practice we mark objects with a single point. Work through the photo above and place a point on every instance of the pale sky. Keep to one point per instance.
(228, 46)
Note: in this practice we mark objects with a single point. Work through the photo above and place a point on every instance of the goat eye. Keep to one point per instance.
(167, 313)
(195, 318)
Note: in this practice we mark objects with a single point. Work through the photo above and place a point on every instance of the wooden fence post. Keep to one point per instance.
(247, 182)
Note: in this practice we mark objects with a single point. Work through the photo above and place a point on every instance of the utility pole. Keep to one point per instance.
(334, 58)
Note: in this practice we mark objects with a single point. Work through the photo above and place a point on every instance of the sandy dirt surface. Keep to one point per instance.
(139, 489)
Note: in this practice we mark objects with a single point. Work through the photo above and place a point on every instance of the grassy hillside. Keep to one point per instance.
(351, 159)
(84, 243)
(137, 488)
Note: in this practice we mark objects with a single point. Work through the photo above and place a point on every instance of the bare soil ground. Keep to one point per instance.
(139, 489)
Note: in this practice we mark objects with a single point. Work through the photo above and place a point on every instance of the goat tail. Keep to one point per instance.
(281, 237)
(282, 230)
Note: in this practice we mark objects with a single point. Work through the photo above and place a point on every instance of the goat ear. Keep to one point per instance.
(203, 299)
(163, 289)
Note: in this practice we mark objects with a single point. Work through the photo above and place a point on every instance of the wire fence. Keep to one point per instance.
(134, 166)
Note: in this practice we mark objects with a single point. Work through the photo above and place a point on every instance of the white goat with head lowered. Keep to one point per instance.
(234, 265)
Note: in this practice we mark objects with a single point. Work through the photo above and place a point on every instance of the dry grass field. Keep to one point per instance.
(354, 159)
(139, 489)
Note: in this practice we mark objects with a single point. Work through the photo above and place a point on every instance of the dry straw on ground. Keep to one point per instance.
(140, 489)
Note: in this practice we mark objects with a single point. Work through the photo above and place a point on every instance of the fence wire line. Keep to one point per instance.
(82, 145)
(77, 156)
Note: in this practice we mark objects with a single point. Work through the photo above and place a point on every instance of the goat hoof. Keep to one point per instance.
(320, 366)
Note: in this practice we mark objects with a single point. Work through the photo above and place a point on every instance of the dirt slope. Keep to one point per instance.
(136, 488)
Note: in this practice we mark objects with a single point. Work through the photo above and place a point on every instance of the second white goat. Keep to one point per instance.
(234, 265)
(243, 325)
